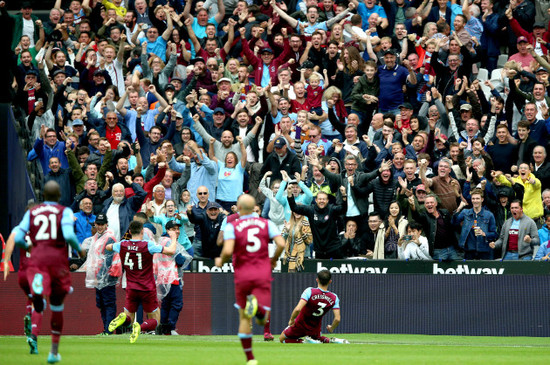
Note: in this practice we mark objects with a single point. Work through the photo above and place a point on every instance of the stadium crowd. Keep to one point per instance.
(172, 109)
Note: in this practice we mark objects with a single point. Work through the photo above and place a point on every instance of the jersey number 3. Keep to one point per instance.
(253, 240)
(130, 262)
(321, 310)
(47, 227)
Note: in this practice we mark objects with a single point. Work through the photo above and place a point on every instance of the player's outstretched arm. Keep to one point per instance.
(335, 321)
(227, 252)
(10, 244)
(280, 242)
(301, 304)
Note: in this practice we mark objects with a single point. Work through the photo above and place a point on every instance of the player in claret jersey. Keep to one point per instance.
(50, 226)
(306, 318)
(137, 261)
(247, 239)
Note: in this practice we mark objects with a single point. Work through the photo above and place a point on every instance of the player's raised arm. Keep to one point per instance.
(335, 321)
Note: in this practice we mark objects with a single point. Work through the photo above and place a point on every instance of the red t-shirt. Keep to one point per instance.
(114, 136)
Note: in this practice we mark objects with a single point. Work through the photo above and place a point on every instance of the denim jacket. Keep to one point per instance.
(485, 221)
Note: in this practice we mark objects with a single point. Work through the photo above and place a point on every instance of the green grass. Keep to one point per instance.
(204, 350)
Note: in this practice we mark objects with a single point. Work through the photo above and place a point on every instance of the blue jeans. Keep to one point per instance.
(171, 307)
(105, 300)
(515, 256)
(445, 254)
(197, 247)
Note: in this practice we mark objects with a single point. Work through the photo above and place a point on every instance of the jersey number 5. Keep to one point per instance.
(130, 262)
(320, 310)
(48, 227)
(253, 240)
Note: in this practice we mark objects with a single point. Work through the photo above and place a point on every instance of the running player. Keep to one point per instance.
(247, 239)
(50, 227)
(24, 257)
(306, 318)
(137, 260)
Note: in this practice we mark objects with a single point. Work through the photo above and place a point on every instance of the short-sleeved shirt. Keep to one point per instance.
(250, 255)
(137, 261)
(200, 31)
(44, 225)
(391, 94)
(310, 29)
(230, 182)
(318, 303)
(366, 13)
(157, 47)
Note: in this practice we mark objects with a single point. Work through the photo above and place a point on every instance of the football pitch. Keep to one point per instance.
(203, 350)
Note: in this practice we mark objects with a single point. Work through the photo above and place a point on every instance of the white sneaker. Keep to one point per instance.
(308, 339)
(338, 340)
(174, 333)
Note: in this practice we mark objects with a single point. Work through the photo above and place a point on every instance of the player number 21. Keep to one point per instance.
(254, 242)
(46, 223)
(130, 262)
(320, 310)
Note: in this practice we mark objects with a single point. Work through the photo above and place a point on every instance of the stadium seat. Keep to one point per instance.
(502, 59)
(483, 74)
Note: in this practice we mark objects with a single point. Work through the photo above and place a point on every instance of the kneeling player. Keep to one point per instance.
(137, 260)
(306, 318)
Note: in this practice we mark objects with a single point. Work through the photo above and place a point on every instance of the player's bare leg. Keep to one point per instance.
(245, 335)
(56, 323)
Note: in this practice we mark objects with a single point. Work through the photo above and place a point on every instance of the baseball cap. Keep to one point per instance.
(389, 51)
(406, 106)
(541, 69)
(293, 181)
(170, 87)
(59, 71)
(99, 72)
(32, 71)
(177, 78)
(178, 115)
(219, 110)
(26, 5)
(197, 59)
(522, 39)
(171, 224)
(444, 136)
(77, 122)
(213, 205)
(280, 142)
(223, 79)
(101, 219)
(421, 187)
(466, 107)
(539, 25)
(266, 49)
(307, 64)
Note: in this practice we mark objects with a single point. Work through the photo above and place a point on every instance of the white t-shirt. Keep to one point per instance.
(28, 30)
(115, 71)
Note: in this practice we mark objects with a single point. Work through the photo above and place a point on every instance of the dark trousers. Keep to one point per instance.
(475, 255)
(171, 307)
(105, 300)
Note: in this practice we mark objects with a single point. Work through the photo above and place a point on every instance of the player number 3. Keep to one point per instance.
(254, 240)
(130, 263)
(320, 310)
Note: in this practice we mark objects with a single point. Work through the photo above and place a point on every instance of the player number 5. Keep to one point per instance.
(253, 240)
(320, 310)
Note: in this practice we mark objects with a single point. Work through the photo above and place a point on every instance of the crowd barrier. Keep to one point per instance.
(478, 299)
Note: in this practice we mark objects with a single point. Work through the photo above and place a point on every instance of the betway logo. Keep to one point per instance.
(349, 269)
(227, 267)
(464, 269)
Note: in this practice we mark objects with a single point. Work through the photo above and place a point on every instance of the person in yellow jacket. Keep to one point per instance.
(532, 197)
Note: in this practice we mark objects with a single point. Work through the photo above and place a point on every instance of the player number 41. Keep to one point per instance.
(130, 262)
